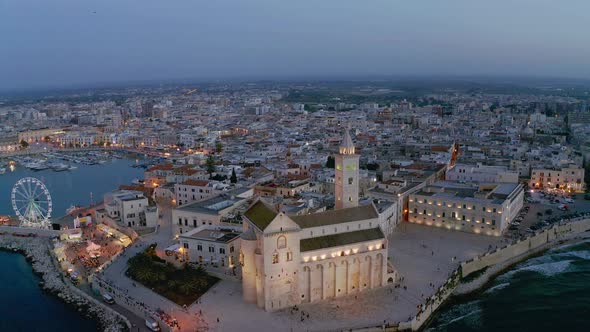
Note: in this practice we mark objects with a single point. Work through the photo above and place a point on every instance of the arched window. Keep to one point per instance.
(282, 242)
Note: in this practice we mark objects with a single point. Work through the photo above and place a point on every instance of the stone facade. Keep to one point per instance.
(485, 209)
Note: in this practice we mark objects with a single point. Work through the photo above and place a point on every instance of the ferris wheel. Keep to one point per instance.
(31, 202)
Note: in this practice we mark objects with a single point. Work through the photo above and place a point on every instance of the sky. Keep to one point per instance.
(68, 43)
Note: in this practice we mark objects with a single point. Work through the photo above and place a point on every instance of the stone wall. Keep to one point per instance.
(524, 246)
(500, 255)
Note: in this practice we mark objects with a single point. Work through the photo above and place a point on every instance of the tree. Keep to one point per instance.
(234, 177)
(24, 144)
(210, 163)
(218, 146)
(331, 162)
(373, 166)
(47, 139)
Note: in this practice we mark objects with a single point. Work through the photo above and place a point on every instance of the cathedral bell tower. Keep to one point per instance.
(347, 175)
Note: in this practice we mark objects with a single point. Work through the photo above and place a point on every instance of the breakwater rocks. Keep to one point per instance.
(36, 250)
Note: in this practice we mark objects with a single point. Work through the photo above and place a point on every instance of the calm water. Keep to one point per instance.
(546, 293)
(25, 307)
(72, 187)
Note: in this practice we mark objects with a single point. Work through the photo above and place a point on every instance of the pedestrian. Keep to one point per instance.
(218, 319)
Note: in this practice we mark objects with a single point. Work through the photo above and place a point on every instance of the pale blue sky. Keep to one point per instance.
(62, 42)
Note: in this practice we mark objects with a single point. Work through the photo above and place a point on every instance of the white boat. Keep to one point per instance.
(60, 167)
(37, 166)
(2, 170)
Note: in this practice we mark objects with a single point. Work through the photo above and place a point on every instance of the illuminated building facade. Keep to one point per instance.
(483, 209)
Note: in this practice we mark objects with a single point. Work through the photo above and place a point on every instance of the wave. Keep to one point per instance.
(569, 245)
(497, 287)
(469, 312)
(582, 254)
(546, 269)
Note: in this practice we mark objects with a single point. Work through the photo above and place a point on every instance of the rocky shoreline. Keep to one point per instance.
(36, 251)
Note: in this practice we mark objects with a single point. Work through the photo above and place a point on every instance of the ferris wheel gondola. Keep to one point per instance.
(32, 203)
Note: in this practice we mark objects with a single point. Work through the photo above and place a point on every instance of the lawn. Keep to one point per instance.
(180, 285)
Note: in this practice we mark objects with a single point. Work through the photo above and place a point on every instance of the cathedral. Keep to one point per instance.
(288, 260)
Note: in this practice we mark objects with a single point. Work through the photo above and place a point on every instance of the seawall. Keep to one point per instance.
(38, 253)
(495, 261)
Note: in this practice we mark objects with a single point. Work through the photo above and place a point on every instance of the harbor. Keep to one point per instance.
(82, 185)
(66, 161)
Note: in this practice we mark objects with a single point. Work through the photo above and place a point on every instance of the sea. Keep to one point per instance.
(27, 308)
(550, 292)
(24, 305)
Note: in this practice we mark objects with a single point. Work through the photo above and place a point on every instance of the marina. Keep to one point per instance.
(65, 161)
(81, 184)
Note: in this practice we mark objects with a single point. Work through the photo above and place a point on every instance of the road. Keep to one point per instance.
(115, 274)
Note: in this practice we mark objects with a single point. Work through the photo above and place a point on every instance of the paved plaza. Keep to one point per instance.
(423, 256)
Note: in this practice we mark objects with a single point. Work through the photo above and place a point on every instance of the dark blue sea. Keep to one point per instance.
(546, 293)
(25, 307)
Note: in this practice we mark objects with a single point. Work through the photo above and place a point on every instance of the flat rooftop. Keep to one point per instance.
(221, 235)
(496, 192)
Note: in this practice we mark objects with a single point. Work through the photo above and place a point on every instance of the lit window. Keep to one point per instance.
(282, 242)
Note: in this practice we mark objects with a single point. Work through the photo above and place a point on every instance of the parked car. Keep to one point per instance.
(152, 324)
(107, 298)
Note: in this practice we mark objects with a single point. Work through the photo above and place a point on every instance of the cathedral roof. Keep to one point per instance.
(332, 217)
(341, 239)
(260, 215)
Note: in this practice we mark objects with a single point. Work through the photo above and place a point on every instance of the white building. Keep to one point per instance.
(483, 209)
(194, 190)
(130, 208)
(213, 211)
(212, 245)
(288, 260)
(480, 173)
(567, 178)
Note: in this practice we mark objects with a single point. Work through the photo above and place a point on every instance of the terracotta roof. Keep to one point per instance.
(333, 217)
(341, 239)
(438, 148)
(200, 183)
(260, 215)
(164, 167)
